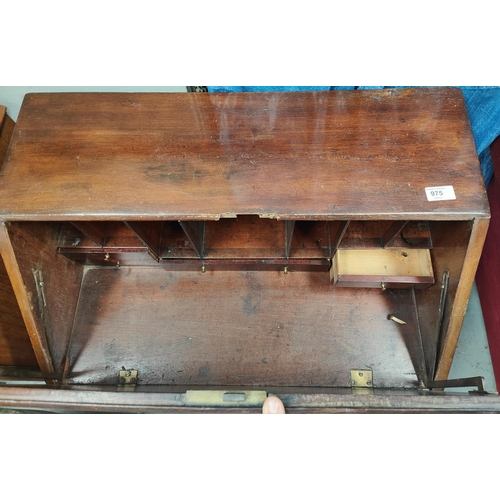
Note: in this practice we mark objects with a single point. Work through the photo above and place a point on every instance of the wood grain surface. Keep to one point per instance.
(305, 155)
(88, 399)
(240, 328)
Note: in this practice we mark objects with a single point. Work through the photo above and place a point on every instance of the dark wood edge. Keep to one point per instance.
(336, 239)
(62, 400)
(314, 217)
(393, 231)
(24, 373)
(3, 114)
(192, 264)
(95, 232)
(348, 278)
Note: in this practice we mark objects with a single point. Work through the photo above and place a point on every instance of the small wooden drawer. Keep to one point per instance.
(382, 268)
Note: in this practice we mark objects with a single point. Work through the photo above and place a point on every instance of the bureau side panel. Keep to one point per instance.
(48, 287)
(15, 345)
(459, 307)
(24, 297)
(450, 241)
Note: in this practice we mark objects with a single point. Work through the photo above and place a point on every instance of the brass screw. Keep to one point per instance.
(397, 320)
(383, 286)
(285, 269)
(203, 268)
(106, 257)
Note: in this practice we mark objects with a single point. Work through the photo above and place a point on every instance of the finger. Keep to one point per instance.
(273, 405)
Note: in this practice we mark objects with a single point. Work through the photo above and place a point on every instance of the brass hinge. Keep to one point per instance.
(232, 398)
(127, 379)
(362, 381)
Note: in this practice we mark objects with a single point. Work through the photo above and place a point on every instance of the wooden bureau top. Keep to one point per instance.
(304, 155)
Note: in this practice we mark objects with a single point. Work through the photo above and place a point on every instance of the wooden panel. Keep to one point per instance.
(450, 241)
(362, 234)
(15, 345)
(310, 239)
(24, 295)
(6, 130)
(96, 231)
(392, 232)
(48, 309)
(245, 237)
(240, 328)
(266, 265)
(415, 234)
(150, 233)
(289, 226)
(104, 257)
(195, 232)
(119, 237)
(459, 307)
(87, 399)
(335, 235)
(203, 156)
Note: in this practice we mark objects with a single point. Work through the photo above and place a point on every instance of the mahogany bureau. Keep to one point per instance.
(195, 252)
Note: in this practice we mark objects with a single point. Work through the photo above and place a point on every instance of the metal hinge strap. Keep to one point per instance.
(236, 398)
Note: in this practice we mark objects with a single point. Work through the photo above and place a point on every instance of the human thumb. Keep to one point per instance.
(273, 405)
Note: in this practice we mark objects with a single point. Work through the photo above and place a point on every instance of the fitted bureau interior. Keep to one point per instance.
(242, 301)
(243, 237)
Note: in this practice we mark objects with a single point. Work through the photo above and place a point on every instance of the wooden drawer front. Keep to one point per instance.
(382, 268)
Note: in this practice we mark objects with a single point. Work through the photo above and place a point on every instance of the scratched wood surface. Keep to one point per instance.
(297, 155)
(240, 328)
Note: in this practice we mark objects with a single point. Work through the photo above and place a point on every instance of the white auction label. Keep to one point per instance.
(440, 193)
